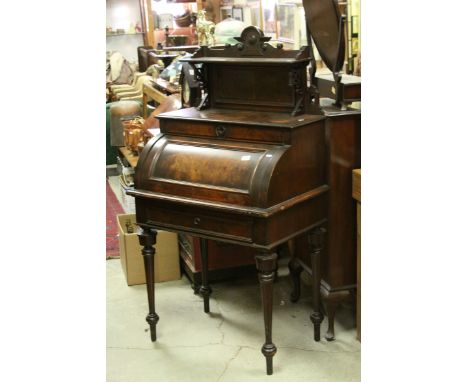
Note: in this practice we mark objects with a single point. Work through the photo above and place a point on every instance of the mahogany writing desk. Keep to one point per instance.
(248, 166)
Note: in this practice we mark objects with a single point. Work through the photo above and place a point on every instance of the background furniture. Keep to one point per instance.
(143, 56)
(119, 110)
(111, 151)
(154, 57)
(343, 147)
(121, 15)
(226, 260)
(150, 93)
(338, 265)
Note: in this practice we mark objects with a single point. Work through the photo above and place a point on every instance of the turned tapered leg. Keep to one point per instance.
(316, 238)
(295, 270)
(205, 289)
(147, 238)
(266, 267)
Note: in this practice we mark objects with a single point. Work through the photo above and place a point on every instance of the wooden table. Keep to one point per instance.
(129, 156)
(152, 93)
(357, 196)
(166, 87)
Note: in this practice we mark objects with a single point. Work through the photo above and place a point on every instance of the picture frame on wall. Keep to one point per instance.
(226, 12)
(237, 13)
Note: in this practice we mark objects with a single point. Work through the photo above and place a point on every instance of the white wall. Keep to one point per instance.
(120, 14)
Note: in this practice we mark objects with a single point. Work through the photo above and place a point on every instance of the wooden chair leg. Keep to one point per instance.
(266, 267)
(147, 238)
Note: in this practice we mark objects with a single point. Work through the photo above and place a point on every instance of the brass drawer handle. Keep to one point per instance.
(196, 221)
(220, 131)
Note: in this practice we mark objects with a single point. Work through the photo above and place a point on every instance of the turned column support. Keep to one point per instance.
(205, 289)
(316, 239)
(266, 267)
(147, 238)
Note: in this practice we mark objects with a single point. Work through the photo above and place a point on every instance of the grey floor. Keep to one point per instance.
(224, 345)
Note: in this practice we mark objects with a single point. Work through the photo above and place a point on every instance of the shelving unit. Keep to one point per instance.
(120, 15)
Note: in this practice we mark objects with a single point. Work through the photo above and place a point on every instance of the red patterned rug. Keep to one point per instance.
(113, 208)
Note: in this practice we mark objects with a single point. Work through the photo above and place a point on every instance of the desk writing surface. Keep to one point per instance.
(242, 117)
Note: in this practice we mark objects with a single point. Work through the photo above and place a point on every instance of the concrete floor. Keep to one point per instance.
(224, 345)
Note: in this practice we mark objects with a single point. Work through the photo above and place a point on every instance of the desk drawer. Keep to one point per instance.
(226, 131)
(220, 226)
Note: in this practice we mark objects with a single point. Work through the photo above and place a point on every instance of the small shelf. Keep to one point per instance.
(123, 34)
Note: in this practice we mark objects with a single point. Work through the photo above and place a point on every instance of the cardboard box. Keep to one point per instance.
(166, 259)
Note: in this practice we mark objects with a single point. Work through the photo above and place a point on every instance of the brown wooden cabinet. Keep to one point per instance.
(338, 264)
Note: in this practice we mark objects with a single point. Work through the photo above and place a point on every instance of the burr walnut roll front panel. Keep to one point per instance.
(207, 169)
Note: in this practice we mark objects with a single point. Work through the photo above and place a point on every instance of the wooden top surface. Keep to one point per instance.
(357, 185)
(242, 117)
(132, 159)
(165, 85)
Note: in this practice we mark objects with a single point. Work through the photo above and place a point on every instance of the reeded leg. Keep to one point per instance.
(147, 238)
(295, 270)
(266, 267)
(205, 289)
(316, 244)
(331, 310)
